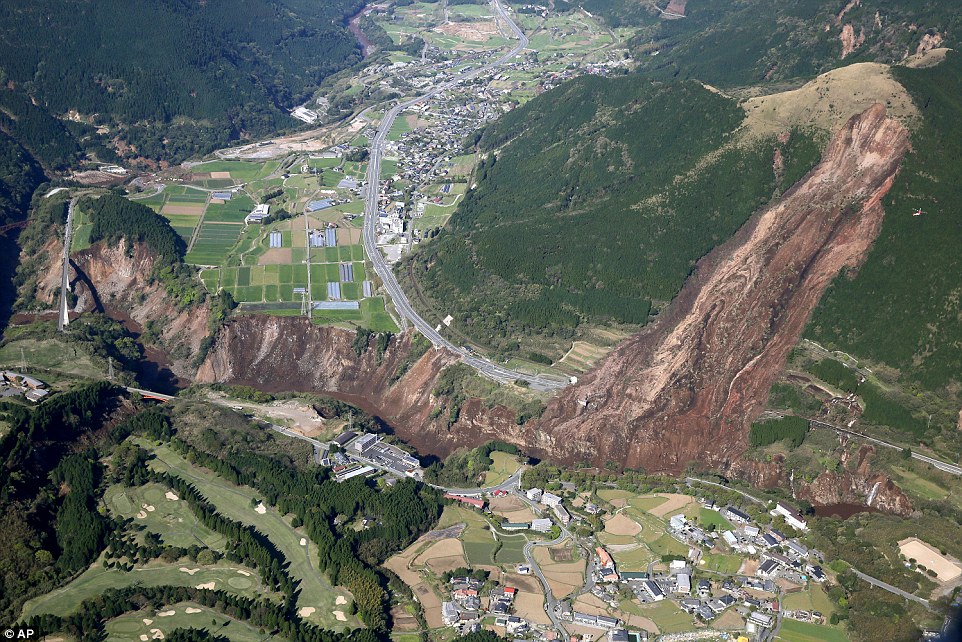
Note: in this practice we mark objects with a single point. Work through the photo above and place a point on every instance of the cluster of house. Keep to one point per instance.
(15, 384)
(464, 609)
(365, 454)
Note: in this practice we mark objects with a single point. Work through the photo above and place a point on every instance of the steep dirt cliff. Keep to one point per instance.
(685, 389)
(118, 282)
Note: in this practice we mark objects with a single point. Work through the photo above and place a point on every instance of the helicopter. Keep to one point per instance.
(918, 212)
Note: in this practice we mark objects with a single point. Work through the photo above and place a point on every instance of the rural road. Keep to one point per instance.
(944, 466)
(383, 270)
(891, 589)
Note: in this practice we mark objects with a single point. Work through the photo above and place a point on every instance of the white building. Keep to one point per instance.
(534, 494)
(792, 517)
(541, 525)
(683, 584)
(563, 516)
(677, 522)
(260, 213)
(550, 499)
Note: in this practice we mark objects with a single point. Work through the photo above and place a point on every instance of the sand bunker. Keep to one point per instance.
(157, 634)
(340, 600)
(192, 610)
(143, 637)
(339, 616)
(189, 571)
(148, 508)
(244, 573)
(148, 622)
(303, 541)
(621, 524)
(171, 496)
(207, 585)
(306, 611)
(261, 509)
(141, 515)
(166, 613)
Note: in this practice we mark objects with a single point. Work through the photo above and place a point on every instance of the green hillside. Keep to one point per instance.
(902, 306)
(190, 75)
(741, 42)
(594, 200)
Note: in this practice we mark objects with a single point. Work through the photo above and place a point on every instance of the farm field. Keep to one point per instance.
(667, 616)
(795, 631)
(637, 535)
(50, 354)
(235, 502)
(130, 627)
(96, 579)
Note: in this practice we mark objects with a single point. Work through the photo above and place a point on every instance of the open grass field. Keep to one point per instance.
(512, 550)
(235, 502)
(96, 579)
(51, 353)
(237, 170)
(812, 598)
(171, 518)
(136, 627)
(794, 631)
(667, 616)
(727, 564)
(503, 467)
(707, 517)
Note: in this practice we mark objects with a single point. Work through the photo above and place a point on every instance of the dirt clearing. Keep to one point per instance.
(621, 524)
(473, 31)
(674, 503)
(925, 555)
(191, 210)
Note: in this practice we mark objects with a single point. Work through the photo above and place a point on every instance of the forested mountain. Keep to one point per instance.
(902, 307)
(594, 200)
(176, 76)
(743, 42)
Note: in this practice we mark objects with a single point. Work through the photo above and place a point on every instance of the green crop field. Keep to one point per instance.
(812, 598)
(235, 502)
(511, 551)
(727, 564)
(213, 243)
(646, 503)
(131, 626)
(171, 519)
(49, 353)
(794, 631)
(96, 579)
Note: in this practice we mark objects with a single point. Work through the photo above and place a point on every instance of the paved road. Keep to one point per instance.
(62, 318)
(383, 270)
(723, 486)
(938, 463)
(891, 589)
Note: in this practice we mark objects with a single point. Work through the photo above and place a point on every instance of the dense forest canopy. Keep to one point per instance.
(178, 77)
(592, 201)
(741, 42)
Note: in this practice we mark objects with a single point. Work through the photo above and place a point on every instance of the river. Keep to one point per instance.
(362, 39)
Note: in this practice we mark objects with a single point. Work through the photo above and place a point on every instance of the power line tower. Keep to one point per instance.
(110, 368)
(304, 303)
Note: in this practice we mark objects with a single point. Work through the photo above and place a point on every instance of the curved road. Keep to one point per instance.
(383, 270)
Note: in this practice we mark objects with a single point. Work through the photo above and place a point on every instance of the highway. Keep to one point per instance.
(62, 318)
(383, 270)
